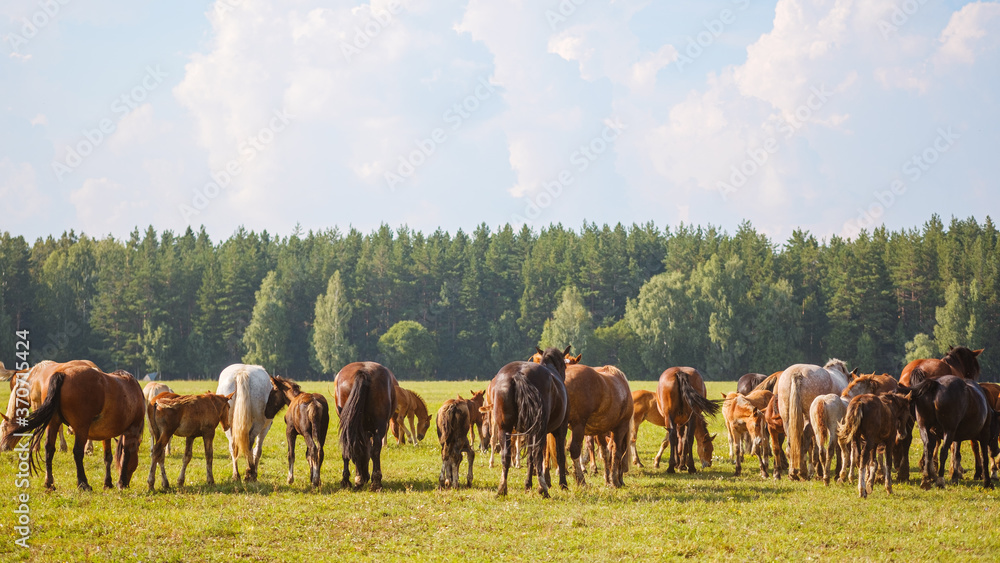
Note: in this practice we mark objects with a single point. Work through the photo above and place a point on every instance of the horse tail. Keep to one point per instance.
(529, 411)
(693, 398)
(917, 376)
(818, 419)
(323, 418)
(242, 417)
(847, 430)
(353, 441)
(796, 420)
(37, 421)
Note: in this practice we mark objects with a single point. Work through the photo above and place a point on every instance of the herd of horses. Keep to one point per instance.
(864, 422)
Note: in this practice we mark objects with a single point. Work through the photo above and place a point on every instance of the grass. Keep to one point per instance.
(709, 515)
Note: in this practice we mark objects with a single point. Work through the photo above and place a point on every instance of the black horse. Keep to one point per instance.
(748, 382)
(530, 399)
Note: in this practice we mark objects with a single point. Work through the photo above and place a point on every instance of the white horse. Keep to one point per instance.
(826, 413)
(253, 406)
(796, 389)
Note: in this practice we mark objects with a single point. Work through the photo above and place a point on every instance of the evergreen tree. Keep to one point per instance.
(571, 323)
(266, 337)
(331, 348)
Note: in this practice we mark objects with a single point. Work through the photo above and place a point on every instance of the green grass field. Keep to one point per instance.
(709, 515)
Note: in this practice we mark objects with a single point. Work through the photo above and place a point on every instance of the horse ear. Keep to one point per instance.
(539, 350)
(711, 437)
(724, 396)
(979, 351)
(854, 372)
(950, 348)
(578, 357)
(567, 350)
(229, 396)
(2, 415)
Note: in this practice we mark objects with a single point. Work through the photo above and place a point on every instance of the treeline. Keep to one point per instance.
(450, 306)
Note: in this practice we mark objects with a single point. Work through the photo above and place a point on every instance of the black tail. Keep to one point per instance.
(917, 376)
(38, 420)
(694, 399)
(354, 442)
(529, 413)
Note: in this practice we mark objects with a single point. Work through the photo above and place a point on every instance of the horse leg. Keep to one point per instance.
(62, 439)
(312, 456)
(79, 447)
(902, 454)
(290, 435)
(539, 454)
(575, 446)
(377, 457)
(413, 429)
(983, 448)
(978, 458)
(672, 438)
(887, 462)
(663, 448)
(927, 459)
(945, 446)
(207, 440)
(188, 454)
(688, 451)
(345, 480)
(865, 456)
(956, 461)
(471, 453)
(50, 452)
(738, 455)
(108, 483)
(634, 450)
(504, 461)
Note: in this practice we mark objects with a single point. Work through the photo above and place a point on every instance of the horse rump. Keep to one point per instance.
(38, 420)
(529, 413)
(354, 442)
(694, 398)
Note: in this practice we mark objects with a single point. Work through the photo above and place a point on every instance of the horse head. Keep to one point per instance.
(225, 415)
(964, 360)
(281, 394)
(555, 358)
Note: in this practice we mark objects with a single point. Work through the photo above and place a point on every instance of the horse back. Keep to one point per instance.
(932, 368)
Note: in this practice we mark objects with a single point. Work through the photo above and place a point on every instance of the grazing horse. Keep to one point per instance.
(952, 409)
(96, 405)
(825, 414)
(703, 440)
(600, 401)
(151, 391)
(366, 400)
(409, 405)
(454, 421)
(254, 405)
(37, 383)
(188, 416)
(680, 394)
(870, 383)
(308, 415)
(796, 388)
(744, 415)
(748, 382)
(646, 410)
(530, 399)
(960, 362)
(869, 429)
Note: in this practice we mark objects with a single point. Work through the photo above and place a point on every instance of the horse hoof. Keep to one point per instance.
(84, 487)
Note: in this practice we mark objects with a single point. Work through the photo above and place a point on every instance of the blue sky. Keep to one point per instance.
(826, 115)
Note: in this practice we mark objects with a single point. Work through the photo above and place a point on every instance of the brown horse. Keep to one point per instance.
(96, 405)
(681, 393)
(600, 401)
(409, 405)
(960, 362)
(870, 383)
(366, 400)
(748, 382)
(644, 409)
(151, 391)
(492, 436)
(308, 415)
(952, 409)
(744, 416)
(188, 416)
(869, 430)
(776, 431)
(454, 421)
(476, 418)
(530, 399)
(35, 383)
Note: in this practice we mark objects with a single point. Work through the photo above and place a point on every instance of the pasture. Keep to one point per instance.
(708, 515)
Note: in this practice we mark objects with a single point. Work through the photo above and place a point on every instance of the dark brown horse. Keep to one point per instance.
(453, 424)
(96, 405)
(187, 416)
(680, 393)
(748, 382)
(959, 362)
(530, 399)
(869, 429)
(951, 409)
(776, 430)
(366, 399)
(308, 415)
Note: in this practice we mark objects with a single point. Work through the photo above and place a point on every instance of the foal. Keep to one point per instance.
(453, 425)
(869, 429)
(188, 416)
(309, 415)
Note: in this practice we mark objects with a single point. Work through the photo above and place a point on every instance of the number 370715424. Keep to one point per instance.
(22, 348)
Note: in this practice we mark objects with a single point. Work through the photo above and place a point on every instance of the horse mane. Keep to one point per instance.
(920, 384)
(286, 383)
(422, 403)
(839, 365)
(967, 360)
(769, 382)
(869, 379)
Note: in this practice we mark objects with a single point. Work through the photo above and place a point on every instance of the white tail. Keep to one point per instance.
(796, 423)
(242, 417)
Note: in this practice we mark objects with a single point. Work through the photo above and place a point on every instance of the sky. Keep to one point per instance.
(830, 116)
